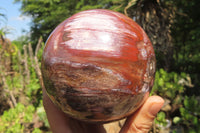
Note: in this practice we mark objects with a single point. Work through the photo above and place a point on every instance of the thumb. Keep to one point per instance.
(141, 121)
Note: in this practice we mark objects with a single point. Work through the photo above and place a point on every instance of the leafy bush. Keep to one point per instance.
(190, 114)
(14, 120)
(161, 119)
(21, 87)
(172, 86)
(168, 84)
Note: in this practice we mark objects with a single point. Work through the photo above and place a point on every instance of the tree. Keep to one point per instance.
(156, 18)
(186, 33)
(47, 14)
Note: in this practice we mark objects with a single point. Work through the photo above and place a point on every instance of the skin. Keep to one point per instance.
(139, 122)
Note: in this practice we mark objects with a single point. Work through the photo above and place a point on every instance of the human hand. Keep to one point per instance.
(139, 122)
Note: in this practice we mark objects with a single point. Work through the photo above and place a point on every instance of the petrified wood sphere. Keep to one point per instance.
(98, 65)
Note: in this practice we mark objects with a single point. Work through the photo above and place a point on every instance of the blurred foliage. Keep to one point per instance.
(161, 119)
(28, 114)
(186, 32)
(169, 85)
(190, 113)
(14, 119)
(185, 110)
(22, 40)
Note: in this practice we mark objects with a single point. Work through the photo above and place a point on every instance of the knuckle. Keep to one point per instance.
(141, 127)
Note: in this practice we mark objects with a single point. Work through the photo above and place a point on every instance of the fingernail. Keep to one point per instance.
(156, 106)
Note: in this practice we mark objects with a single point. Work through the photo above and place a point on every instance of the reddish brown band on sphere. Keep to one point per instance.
(98, 65)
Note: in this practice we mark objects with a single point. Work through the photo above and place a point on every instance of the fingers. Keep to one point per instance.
(142, 120)
(61, 123)
(57, 119)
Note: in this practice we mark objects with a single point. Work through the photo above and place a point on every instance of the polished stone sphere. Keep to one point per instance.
(98, 66)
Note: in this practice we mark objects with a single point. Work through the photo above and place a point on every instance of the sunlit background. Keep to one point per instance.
(16, 23)
(173, 27)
